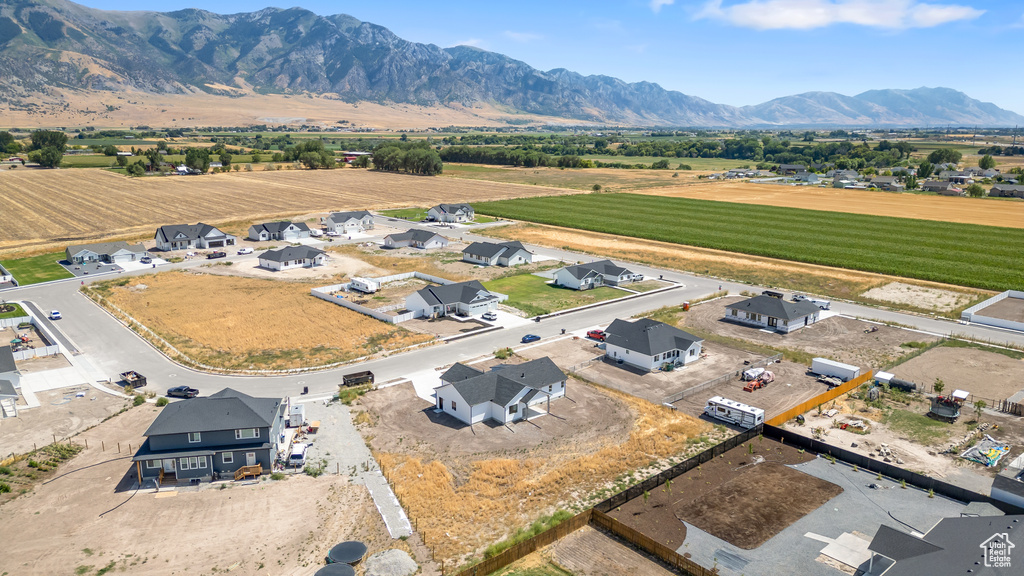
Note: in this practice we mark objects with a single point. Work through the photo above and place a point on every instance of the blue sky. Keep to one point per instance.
(728, 51)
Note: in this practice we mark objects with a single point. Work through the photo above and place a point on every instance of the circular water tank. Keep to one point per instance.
(350, 552)
(336, 570)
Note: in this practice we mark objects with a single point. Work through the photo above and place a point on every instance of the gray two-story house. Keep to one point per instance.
(212, 437)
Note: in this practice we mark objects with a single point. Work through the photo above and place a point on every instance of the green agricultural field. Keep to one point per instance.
(533, 295)
(36, 269)
(89, 161)
(963, 254)
(414, 214)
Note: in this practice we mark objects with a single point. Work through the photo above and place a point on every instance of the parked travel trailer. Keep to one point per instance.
(365, 285)
(734, 412)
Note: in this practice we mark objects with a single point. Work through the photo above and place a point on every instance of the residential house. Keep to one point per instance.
(903, 171)
(286, 231)
(461, 298)
(348, 222)
(1008, 178)
(648, 344)
(292, 257)
(497, 254)
(183, 236)
(956, 177)
(1007, 191)
(774, 313)
(417, 239)
(843, 174)
(451, 213)
(789, 169)
(887, 183)
(110, 252)
(980, 545)
(945, 188)
(504, 394)
(979, 172)
(205, 438)
(594, 274)
(10, 381)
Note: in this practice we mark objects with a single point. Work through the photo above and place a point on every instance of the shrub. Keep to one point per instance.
(503, 353)
(316, 469)
(139, 400)
(4, 487)
(277, 476)
(162, 401)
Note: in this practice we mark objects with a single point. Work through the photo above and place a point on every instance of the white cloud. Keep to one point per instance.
(523, 37)
(656, 5)
(476, 42)
(808, 14)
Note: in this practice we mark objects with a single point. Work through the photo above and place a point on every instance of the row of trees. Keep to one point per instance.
(413, 158)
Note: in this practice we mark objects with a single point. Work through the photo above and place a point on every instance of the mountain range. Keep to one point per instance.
(47, 44)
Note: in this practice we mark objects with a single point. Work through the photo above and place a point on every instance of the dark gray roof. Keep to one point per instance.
(7, 389)
(452, 208)
(953, 546)
(189, 231)
(289, 253)
(1008, 484)
(648, 337)
(459, 372)
(414, 235)
(345, 216)
(7, 359)
(463, 292)
(601, 267)
(1013, 187)
(505, 382)
(776, 307)
(106, 248)
(883, 180)
(491, 249)
(225, 410)
(277, 227)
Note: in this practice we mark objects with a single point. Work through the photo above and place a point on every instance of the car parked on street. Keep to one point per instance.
(490, 316)
(55, 315)
(146, 260)
(182, 392)
(530, 338)
(596, 335)
(246, 250)
(217, 254)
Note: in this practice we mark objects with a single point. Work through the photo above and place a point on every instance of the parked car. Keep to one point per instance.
(297, 458)
(332, 233)
(530, 338)
(596, 335)
(246, 250)
(146, 260)
(217, 254)
(182, 392)
(314, 233)
(491, 316)
(55, 315)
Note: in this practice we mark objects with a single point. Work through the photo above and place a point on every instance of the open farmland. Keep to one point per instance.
(962, 254)
(220, 321)
(41, 206)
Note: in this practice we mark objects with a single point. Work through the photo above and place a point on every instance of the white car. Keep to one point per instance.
(332, 233)
(313, 232)
(246, 250)
(491, 316)
(55, 315)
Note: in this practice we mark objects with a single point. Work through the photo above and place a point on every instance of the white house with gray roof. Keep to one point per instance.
(451, 213)
(648, 344)
(594, 274)
(773, 313)
(286, 231)
(504, 394)
(184, 236)
(423, 239)
(10, 381)
(348, 222)
(497, 254)
(461, 298)
(292, 257)
(112, 252)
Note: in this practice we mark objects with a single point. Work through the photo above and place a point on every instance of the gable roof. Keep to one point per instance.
(460, 292)
(505, 382)
(7, 389)
(7, 359)
(187, 231)
(1009, 187)
(414, 235)
(278, 227)
(106, 248)
(883, 180)
(606, 267)
(490, 250)
(775, 307)
(226, 410)
(346, 216)
(459, 372)
(453, 208)
(953, 546)
(648, 337)
(289, 253)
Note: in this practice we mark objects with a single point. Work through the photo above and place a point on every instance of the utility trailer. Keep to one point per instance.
(734, 412)
(826, 367)
(133, 379)
(357, 378)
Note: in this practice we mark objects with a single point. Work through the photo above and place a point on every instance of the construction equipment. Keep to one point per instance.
(763, 379)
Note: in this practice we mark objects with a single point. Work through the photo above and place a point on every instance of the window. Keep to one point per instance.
(549, 387)
(193, 437)
(247, 433)
(227, 457)
(693, 351)
(513, 409)
(453, 404)
(152, 464)
(656, 357)
(735, 312)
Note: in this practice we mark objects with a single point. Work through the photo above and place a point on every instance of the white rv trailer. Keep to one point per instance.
(734, 412)
(365, 285)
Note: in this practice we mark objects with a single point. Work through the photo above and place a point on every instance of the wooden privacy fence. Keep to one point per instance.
(821, 399)
(649, 545)
(1010, 407)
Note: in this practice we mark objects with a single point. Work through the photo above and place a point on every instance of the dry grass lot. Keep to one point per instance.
(468, 487)
(218, 321)
(59, 413)
(905, 205)
(76, 205)
(78, 520)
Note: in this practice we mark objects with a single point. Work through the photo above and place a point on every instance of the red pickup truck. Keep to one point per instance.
(596, 335)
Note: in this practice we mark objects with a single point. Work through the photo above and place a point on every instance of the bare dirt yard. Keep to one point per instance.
(590, 552)
(220, 321)
(920, 296)
(1007, 309)
(989, 376)
(86, 507)
(467, 487)
(60, 413)
(744, 498)
(444, 326)
(906, 205)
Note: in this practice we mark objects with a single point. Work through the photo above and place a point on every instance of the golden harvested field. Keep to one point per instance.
(40, 206)
(216, 320)
(982, 211)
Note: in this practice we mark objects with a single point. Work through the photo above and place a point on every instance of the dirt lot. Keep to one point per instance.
(1007, 309)
(59, 413)
(98, 526)
(590, 552)
(839, 338)
(42, 364)
(222, 327)
(444, 263)
(988, 375)
(744, 498)
(920, 296)
(443, 326)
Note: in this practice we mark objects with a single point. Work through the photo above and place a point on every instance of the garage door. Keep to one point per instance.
(217, 244)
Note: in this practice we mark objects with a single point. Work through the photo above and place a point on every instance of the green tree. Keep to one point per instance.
(361, 162)
(925, 169)
(49, 139)
(197, 159)
(945, 155)
(256, 158)
(47, 157)
(122, 161)
(979, 406)
(975, 191)
(109, 150)
(135, 169)
(225, 158)
(154, 157)
(6, 139)
(986, 162)
(910, 182)
(939, 386)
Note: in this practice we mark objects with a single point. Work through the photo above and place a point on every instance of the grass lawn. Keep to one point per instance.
(89, 161)
(16, 313)
(413, 214)
(533, 295)
(647, 285)
(36, 269)
(483, 219)
(917, 427)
